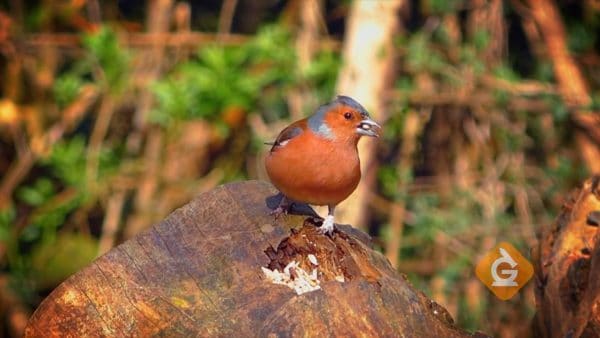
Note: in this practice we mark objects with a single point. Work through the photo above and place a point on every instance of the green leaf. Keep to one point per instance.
(481, 39)
(106, 51)
(54, 261)
(421, 56)
(67, 160)
(504, 72)
(66, 88)
(38, 193)
(225, 76)
(444, 6)
(7, 218)
(50, 216)
(580, 38)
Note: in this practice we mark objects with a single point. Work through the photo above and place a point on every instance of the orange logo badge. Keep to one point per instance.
(504, 270)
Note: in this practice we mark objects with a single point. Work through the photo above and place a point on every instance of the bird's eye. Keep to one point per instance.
(347, 115)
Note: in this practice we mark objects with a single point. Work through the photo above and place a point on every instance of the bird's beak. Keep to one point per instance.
(368, 127)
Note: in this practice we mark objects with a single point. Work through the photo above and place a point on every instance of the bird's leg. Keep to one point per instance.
(283, 208)
(328, 224)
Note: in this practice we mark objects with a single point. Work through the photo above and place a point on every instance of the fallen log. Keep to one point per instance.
(221, 266)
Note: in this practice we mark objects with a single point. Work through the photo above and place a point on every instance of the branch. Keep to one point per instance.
(571, 83)
(70, 118)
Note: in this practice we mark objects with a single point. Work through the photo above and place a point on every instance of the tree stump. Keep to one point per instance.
(204, 271)
(568, 269)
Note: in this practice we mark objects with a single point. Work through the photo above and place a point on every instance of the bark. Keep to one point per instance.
(368, 59)
(199, 273)
(567, 269)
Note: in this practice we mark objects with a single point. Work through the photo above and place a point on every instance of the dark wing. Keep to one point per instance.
(286, 135)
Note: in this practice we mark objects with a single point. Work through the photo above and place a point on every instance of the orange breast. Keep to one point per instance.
(314, 170)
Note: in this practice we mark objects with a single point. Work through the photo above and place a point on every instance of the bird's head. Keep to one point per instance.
(343, 119)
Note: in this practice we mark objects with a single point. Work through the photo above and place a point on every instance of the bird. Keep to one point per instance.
(315, 160)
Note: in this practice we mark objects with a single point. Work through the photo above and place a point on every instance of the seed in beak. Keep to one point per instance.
(368, 127)
(365, 126)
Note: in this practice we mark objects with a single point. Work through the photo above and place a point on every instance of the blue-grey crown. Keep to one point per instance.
(350, 102)
(316, 121)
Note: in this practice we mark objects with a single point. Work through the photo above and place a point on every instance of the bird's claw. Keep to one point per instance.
(328, 226)
(277, 212)
(283, 208)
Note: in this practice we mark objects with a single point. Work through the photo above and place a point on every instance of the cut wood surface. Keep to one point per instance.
(200, 273)
(568, 267)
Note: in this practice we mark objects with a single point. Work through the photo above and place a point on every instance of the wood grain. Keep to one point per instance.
(198, 273)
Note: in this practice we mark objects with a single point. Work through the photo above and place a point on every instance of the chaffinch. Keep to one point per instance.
(315, 160)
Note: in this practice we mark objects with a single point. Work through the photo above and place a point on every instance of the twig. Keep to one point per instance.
(158, 19)
(522, 88)
(93, 10)
(140, 40)
(412, 128)
(226, 17)
(147, 184)
(111, 221)
(105, 114)
(479, 98)
(182, 17)
(15, 174)
(70, 117)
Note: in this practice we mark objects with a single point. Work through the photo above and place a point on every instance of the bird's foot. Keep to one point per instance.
(282, 209)
(328, 226)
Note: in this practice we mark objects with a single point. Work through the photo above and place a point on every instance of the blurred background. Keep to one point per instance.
(113, 114)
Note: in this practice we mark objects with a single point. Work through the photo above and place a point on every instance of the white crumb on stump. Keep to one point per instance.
(296, 278)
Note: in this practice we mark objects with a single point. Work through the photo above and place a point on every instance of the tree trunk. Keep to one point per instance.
(209, 270)
(567, 269)
(368, 58)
